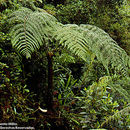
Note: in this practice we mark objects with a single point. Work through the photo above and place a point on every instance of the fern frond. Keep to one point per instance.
(105, 48)
(32, 30)
(121, 87)
(73, 40)
(118, 89)
(117, 115)
(88, 39)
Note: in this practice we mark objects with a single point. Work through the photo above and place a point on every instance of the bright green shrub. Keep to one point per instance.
(97, 105)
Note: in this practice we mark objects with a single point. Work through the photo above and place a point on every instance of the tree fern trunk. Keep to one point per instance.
(49, 94)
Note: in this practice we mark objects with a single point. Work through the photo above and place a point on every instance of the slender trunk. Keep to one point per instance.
(49, 94)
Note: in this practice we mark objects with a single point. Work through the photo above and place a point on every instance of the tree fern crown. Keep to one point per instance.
(33, 29)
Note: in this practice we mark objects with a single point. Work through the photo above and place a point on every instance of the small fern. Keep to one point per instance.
(120, 87)
(116, 116)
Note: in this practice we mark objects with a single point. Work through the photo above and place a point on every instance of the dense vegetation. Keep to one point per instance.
(65, 64)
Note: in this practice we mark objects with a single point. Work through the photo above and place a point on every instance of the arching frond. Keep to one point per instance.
(105, 48)
(31, 31)
(120, 87)
(88, 39)
(116, 116)
(73, 40)
(34, 29)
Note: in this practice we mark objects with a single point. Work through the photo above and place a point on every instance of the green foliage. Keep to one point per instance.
(108, 15)
(119, 85)
(76, 12)
(65, 90)
(69, 37)
(106, 53)
(87, 39)
(61, 62)
(88, 101)
(92, 72)
(117, 116)
(66, 98)
(14, 98)
(15, 4)
(50, 9)
(97, 104)
(120, 88)
(32, 30)
(35, 29)
(65, 58)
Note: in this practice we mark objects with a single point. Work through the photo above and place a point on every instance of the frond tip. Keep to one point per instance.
(105, 48)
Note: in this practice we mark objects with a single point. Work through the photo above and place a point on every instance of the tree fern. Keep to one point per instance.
(31, 31)
(34, 29)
